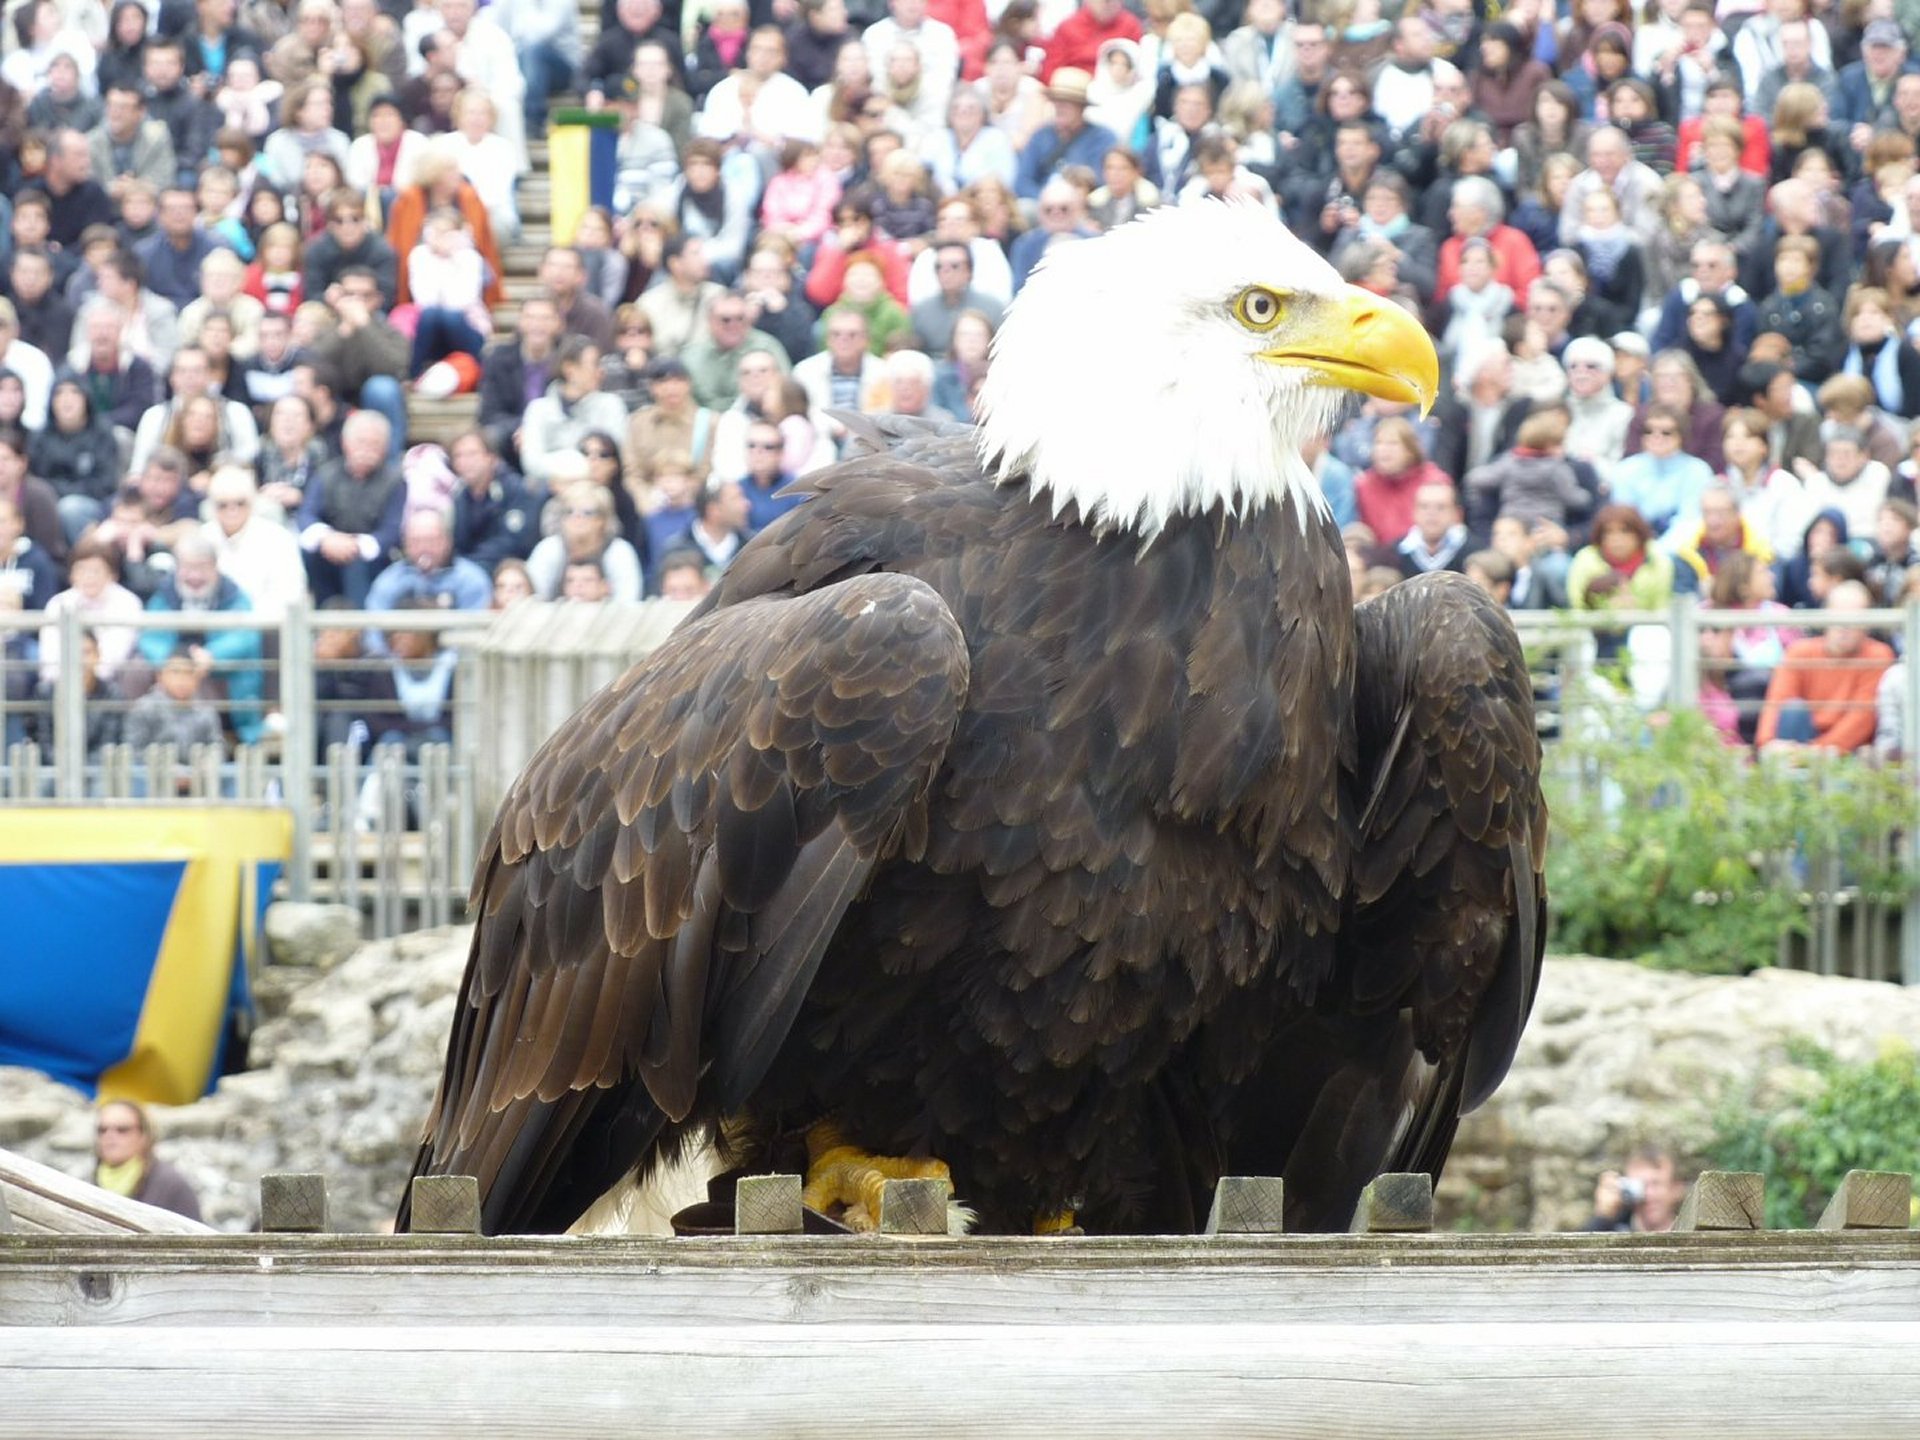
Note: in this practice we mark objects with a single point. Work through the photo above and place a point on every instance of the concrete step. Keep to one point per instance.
(438, 421)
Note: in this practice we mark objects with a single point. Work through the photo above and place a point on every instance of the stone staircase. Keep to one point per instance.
(438, 421)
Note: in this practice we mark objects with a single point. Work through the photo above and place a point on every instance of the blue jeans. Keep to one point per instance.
(383, 393)
(353, 579)
(77, 512)
(547, 73)
(439, 333)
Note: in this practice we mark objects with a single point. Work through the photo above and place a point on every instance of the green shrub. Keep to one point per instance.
(1673, 847)
(1861, 1117)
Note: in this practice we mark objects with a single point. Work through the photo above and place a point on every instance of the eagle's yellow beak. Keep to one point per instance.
(1358, 341)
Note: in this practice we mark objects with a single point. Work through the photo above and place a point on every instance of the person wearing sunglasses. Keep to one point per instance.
(124, 1162)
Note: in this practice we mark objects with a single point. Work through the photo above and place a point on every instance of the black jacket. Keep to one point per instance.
(502, 523)
(81, 462)
(503, 392)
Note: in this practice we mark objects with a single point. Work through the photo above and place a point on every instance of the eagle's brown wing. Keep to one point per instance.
(1445, 918)
(661, 883)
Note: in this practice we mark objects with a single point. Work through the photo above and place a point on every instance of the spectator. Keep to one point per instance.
(517, 371)
(438, 184)
(1822, 696)
(547, 40)
(585, 582)
(349, 243)
(573, 408)
(1849, 482)
(380, 162)
(1068, 139)
(350, 519)
(1611, 166)
(1438, 537)
(129, 145)
(1598, 419)
(1539, 560)
(75, 199)
(683, 577)
(671, 493)
(1637, 574)
(428, 568)
(1773, 501)
(125, 1163)
(226, 660)
(1479, 418)
(587, 532)
(1713, 273)
(1646, 1197)
(1661, 482)
(364, 356)
(1076, 41)
(713, 359)
(94, 590)
(1847, 400)
(496, 514)
(1476, 210)
(511, 584)
(1675, 382)
(673, 422)
(33, 369)
(636, 24)
(1533, 481)
(719, 525)
(256, 552)
(189, 377)
(1387, 489)
(32, 497)
(408, 701)
(447, 278)
(1720, 533)
(1875, 350)
(78, 450)
(766, 476)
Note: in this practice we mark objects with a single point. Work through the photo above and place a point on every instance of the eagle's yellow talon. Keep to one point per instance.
(842, 1175)
(1060, 1222)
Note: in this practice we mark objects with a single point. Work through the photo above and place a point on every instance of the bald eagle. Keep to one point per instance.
(1031, 806)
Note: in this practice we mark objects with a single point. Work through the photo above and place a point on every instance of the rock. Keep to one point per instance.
(314, 936)
(351, 1049)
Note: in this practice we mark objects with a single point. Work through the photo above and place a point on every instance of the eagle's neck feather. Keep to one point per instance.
(1189, 434)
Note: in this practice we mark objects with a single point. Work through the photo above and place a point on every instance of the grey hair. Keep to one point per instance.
(1482, 194)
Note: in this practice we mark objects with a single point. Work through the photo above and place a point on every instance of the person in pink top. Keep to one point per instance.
(799, 200)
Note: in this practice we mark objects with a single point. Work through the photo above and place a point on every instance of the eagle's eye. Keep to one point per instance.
(1257, 308)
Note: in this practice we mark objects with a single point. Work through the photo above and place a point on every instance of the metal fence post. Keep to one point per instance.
(1910, 843)
(298, 742)
(1683, 659)
(70, 712)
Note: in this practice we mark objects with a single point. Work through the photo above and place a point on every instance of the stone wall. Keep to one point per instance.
(350, 1049)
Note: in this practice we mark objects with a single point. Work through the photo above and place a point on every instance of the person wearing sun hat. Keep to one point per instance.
(1068, 139)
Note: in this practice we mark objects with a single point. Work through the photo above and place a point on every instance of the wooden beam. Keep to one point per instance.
(915, 1207)
(1395, 1204)
(46, 1201)
(445, 1205)
(1068, 1381)
(294, 1203)
(1870, 1200)
(335, 1280)
(1724, 1200)
(1248, 1205)
(767, 1205)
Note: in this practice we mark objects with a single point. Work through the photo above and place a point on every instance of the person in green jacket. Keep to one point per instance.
(866, 293)
(1622, 548)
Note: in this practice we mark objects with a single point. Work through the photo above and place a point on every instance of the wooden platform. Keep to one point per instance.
(1750, 1334)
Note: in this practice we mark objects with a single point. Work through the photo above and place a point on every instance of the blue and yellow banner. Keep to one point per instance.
(583, 152)
(125, 940)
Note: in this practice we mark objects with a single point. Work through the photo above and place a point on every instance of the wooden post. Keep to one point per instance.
(293, 1203)
(1725, 1200)
(446, 1205)
(6, 1216)
(915, 1207)
(1870, 1200)
(767, 1205)
(1395, 1204)
(1248, 1205)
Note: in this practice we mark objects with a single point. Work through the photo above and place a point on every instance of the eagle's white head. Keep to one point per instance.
(1178, 362)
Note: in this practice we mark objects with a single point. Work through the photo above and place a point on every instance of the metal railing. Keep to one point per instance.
(389, 829)
(1852, 929)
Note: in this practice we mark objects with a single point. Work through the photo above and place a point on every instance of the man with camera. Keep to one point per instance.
(1645, 1197)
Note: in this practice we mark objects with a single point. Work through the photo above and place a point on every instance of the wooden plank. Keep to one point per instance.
(1724, 1200)
(6, 1215)
(767, 1205)
(43, 1200)
(1061, 1382)
(915, 1207)
(1395, 1204)
(293, 1202)
(445, 1205)
(343, 1280)
(1870, 1200)
(1248, 1205)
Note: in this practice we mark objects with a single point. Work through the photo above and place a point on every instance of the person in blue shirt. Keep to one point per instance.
(427, 570)
(767, 478)
(230, 658)
(1069, 140)
(1661, 482)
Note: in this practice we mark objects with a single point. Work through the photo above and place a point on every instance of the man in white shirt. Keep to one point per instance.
(34, 369)
(939, 48)
(759, 108)
(1403, 85)
(487, 59)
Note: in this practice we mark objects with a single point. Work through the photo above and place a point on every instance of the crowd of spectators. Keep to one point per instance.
(1668, 251)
